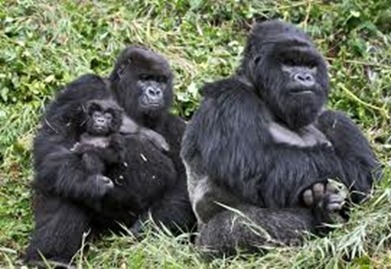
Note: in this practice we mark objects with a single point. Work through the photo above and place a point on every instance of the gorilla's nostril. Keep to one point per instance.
(106, 180)
(308, 77)
(304, 78)
(154, 92)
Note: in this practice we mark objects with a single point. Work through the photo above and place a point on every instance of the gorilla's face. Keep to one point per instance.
(292, 79)
(103, 117)
(142, 83)
(151, 90)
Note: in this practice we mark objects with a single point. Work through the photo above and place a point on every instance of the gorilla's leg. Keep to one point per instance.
(249, 228)
(173, 211)
(58, 233)
(254, 227)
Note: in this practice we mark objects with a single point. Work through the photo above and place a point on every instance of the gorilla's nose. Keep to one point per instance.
(154, 93)
(100, 120)
(304, 78)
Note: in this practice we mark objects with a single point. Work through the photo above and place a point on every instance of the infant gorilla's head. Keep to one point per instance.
(104, 117)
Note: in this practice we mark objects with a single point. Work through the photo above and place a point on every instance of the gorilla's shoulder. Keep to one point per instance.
(85, 85)
(88, 78)
(224, 86)
(69, 100)
(175, 125)
(172, 118)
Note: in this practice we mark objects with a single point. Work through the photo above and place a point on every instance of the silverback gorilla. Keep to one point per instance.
(262, 142)
(150, 180)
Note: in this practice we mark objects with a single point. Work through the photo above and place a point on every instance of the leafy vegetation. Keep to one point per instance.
(45, 44)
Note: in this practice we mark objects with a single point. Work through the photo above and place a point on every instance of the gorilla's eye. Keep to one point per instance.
(161, 79)
(257, 59)
(108, 116)
(289, 62)
(96, 114)
(144, 77)
(311, 64)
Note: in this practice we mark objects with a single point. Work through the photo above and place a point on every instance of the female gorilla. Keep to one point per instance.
(150, 180)
(262, 142)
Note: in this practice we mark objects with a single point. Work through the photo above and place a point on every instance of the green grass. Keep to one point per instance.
(45, 44)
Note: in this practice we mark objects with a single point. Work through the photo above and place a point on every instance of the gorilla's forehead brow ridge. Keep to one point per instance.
(300, 52)
(287, 40)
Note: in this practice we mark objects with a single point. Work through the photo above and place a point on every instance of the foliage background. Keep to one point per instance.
(45, 44)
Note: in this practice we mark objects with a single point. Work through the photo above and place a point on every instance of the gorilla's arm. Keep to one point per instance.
(131, 128)
(113, 153)
(225, 140)
(357, 157)
(58, 170)
(63, 173)
(174, 209)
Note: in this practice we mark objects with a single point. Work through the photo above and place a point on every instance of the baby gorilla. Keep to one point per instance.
(102, 143)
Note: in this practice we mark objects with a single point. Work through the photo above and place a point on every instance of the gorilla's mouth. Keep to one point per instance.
(99, 127)
(147, 103)
(153, 104)
(99, 130)
(302, 92)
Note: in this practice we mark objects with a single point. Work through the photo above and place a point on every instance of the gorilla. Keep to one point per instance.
(261, 148)
(149, 182)
(101, 144)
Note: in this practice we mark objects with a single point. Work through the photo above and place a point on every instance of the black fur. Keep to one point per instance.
(99, 148)
(148, 181)
(232, 157)
(170, 205)
(133, 64)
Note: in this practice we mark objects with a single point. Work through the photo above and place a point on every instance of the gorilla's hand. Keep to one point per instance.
(95, 187)
(326, 201)
(99, 185)
(324, 195)
(131, 128)
(155, 138)
(81, 148)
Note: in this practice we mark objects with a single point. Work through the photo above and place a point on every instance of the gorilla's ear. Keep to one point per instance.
(257, 59)
(253, 65)
(117, 119)
(122, 67)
